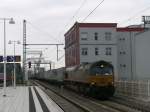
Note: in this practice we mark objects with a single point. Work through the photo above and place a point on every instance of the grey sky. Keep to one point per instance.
(51, 16)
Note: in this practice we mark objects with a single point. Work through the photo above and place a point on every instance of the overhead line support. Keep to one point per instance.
(46, 44)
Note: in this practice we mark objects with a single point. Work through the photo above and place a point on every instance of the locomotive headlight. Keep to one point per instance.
(92, 83)
(102, 66)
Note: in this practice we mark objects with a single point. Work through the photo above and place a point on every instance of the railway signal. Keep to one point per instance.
(29, 63)
(1, 58)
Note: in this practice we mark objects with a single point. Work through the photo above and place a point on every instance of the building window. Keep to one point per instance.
(96, 51)
(108, 51)
(96, 36)
(123, 65)
(84, 51)
(122, 39)
(122, 52)
(108, 36)
(84, 36)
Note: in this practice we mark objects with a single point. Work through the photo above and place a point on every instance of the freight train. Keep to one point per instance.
(94, 79)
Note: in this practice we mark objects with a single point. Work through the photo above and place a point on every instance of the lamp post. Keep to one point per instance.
(11, 21)
(14, 42)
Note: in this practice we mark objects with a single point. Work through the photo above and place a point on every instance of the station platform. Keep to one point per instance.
(26, 99)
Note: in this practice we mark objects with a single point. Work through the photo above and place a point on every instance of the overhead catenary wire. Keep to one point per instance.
(61, 57)
(74, 15)
(71, 19)
(78, 10)
(93, 10)
(44, 32)
(84, 18)
(37, 28)
(135, 15)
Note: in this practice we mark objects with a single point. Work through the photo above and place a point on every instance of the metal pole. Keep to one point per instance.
(14, 68)
(57, 52)
(12, 76)
(24, 51)
(50, 66)
(4, 58)
(148, 85)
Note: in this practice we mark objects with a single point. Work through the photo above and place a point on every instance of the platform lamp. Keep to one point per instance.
(14, 43)
(11, 21)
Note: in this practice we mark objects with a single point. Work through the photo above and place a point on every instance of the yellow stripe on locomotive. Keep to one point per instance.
(101, 80)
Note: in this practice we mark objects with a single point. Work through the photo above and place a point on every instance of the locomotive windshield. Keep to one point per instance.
(101, 70)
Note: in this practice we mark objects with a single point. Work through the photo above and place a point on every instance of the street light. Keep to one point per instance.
(14, 42)
(11, 21)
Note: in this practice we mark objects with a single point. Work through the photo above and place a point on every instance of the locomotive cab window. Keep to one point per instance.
(101, 70)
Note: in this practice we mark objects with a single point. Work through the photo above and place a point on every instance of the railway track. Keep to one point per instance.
(133, 103)
(62, 102)
(86, 104)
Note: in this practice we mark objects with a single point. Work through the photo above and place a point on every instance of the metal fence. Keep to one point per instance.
(133, 88)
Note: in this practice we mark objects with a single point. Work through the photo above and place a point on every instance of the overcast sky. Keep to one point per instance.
(46, 19)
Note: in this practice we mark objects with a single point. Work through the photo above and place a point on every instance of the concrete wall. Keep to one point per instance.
(124, 55)
(142, 55)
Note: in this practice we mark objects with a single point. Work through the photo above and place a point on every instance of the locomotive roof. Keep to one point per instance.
(90, 65)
